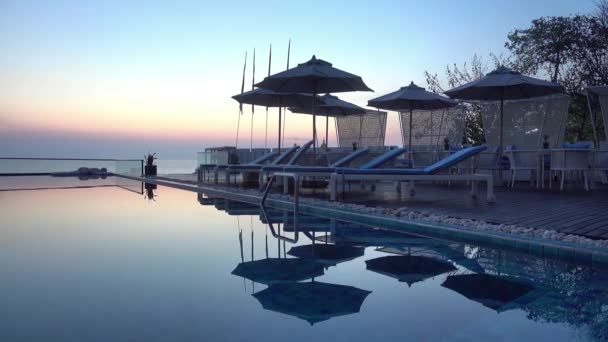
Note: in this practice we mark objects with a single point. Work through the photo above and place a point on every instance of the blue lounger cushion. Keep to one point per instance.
(299, 153)
(264, 158)
(280, 159)
(577, 146)
(443, 164)
(394, 153)
(321, 169)
(454, 159)
(347, 159)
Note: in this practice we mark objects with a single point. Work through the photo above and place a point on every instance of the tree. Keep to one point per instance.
(549, 44)
(572, 51)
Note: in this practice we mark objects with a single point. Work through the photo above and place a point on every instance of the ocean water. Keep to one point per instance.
(176, 166)
(116, 260)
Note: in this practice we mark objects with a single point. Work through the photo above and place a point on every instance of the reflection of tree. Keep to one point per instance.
(575, 295)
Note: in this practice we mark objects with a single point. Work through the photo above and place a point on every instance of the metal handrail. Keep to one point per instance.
(278, 236)
(296, 191)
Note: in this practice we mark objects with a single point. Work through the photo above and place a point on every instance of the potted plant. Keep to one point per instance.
(150, 168)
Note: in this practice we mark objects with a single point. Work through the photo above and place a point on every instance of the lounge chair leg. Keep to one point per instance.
(561, 185)
(412, 188)
(333, 187)
(474, 188)
(490, 198)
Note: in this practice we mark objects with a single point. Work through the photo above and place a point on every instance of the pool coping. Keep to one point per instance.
(590, 255)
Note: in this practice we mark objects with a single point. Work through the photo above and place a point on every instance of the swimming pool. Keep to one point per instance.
(100, 260)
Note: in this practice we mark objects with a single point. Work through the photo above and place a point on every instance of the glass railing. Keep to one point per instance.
(43, 166)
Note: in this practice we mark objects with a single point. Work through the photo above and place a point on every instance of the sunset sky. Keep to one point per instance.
(121, 78)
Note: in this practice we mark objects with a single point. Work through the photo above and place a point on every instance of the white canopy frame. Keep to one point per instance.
(366, 130)
(431, 127)
(602, 95)
(527, 121)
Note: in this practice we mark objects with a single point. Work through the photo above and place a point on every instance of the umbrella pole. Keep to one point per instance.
(326, 132)
(314, 126)
(279, 146)
(500, 143)
(410, 134)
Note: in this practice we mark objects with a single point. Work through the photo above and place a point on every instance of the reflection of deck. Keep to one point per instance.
(572, 211)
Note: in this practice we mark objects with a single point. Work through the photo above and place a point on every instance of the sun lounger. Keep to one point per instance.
(429, 173)
(295, 152)
(327, 171)
(208, 168)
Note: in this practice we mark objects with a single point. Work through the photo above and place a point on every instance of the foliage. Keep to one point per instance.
(150, 159)
(572, 51)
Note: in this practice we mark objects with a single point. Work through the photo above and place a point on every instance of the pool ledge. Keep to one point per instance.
(538, 246)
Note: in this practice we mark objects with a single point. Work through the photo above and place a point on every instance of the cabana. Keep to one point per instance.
(366, 130)
(527, 121)
(601, 94)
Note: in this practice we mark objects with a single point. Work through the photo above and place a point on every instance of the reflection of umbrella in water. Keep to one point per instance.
(312, 301)
(275, 270)
(440, 248)
(409, 268)
(497, 293)
(326, 253)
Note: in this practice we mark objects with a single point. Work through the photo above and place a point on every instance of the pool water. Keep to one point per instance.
(109, 263)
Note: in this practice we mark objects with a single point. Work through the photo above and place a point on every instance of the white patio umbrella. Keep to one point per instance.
(314, 77)
(411, 97)
(500, 85)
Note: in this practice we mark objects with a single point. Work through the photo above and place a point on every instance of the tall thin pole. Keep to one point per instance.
(500, 143)
(314, 125)
(279, 129)
(269, 63)
(284, 109)
(252, 106)
(410, 130)
(238, 123)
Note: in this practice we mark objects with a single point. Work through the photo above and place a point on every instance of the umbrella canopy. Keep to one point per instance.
(491, 291)
(273, 270)
(410, 98)
(326, 253)
(312, 301)
(331, 106)
(504, 84)
(500, 85)
(409, 268)
(315, 76)
(269, 98)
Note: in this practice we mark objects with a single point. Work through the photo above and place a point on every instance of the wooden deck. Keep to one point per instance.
(572, 211)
